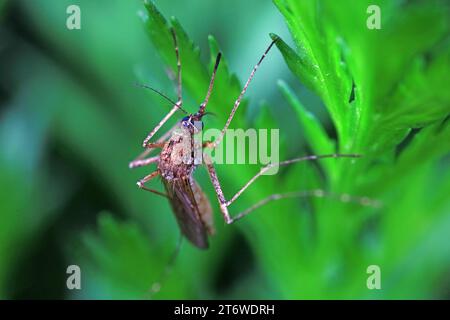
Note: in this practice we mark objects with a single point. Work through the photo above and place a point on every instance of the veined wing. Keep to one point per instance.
(185, 207)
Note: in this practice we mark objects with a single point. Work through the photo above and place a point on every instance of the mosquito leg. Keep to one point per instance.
(155, 191)
(154, 145)
(160, 124)
(161, 140)
(142, 155)
(224, 204)
(143, 162)
(180, 99)
(211, 84)
(284, 163)
(238, 100)
(147, 178)
(177, 54)
(318, 193)
(208, 144)
(220, 197)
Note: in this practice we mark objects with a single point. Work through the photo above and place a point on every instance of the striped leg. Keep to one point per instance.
(147, 178)
(224, 204)
(179, 103)
(177, 54)
(211, 84)
(238, 100)
(150, 147)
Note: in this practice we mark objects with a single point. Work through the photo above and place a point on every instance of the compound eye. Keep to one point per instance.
(185, 122)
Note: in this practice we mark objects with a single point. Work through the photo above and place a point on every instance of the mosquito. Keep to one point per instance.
(189, 203)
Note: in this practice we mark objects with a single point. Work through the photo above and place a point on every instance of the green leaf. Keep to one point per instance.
(319, 141)
(320, 55)
(377, 85)
(195, 75)
(300, 64)
(122, 264)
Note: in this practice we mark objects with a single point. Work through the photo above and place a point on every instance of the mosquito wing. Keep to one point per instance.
(204, 207)
(185, 207)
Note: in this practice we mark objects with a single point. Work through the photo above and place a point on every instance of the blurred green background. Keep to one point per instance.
(71, 120)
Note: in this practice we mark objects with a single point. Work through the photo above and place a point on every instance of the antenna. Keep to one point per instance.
(161, 94)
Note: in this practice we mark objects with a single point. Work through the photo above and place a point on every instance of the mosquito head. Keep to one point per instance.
(193, 121)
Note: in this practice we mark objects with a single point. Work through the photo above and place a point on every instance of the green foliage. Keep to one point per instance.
(73, 124)
(399, 74)
(195, 74)
(330, 59)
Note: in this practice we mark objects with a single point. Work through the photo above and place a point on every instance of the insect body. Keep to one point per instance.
(189, 203)
(181, 153)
